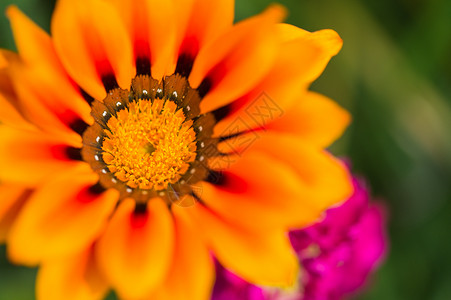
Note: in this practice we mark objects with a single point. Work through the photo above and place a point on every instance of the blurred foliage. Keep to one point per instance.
(394, 75)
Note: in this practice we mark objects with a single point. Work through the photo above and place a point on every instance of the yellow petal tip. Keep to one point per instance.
(329, 40)
(276, 12)
(12, 10)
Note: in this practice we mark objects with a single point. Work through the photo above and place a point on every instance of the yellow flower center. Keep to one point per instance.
(151, 140)
(149, 145)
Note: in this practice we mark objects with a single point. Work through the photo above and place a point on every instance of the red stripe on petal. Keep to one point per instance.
(190, 46)
(212, 79)
(106, 73)
(66, 153)
(142, 48)
(90, 194)
(138, 220)
(142, 57)
(231, 183)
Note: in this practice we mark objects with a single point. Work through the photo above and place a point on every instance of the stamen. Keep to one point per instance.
(146, 141)
(149, 145)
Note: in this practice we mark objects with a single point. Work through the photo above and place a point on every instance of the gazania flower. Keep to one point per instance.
(337, 255)
(141, 138)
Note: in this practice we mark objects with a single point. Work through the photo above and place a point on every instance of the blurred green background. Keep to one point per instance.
(394, 75)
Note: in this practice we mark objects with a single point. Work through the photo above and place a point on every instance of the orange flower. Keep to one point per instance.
(142, 137)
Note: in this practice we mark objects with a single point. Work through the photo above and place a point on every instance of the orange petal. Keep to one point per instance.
(263, 257)
(301, 59)
(75, 277)
(32, 42)
(200, 22)
(13, 198)
(136, 250)
(62, 217)
(9, 113)
(31, 157)
(317, 48)
(259, 192)
(41, 105)
(203, 20)
(93, 44)
(46, 95)
(324, 180)
(315, 119)
(151, 26)
(326, 39)
(231, 65)
(192, 272)
(6, 56)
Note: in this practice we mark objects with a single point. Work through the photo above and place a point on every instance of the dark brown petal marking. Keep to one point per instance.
(79, 126)
(204, 87)
(185, 64)
(88, 98)
(96, 189)
(64, 152)
(73, 153)
(227, 181)
(222, 112)
(142, 66)
(140, 208)
(109, 82)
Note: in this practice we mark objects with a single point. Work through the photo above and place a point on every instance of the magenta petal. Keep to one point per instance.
(351, 241)
(337, 255)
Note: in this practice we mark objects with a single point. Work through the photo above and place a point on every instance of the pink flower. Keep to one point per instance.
(337, 255)
(229, 287)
